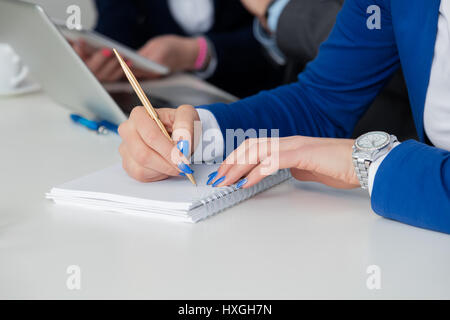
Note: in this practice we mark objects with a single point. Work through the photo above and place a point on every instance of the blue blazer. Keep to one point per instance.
(134, 22)
(413, 183)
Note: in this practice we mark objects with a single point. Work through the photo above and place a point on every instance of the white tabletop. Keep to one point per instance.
(297, 240)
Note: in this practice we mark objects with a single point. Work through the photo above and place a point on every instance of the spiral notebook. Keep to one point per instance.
(112, 189)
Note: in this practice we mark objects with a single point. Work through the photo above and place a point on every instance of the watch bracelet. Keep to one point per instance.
(362, 171)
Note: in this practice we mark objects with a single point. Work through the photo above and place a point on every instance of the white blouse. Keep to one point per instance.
(194, 16)
(437, 104)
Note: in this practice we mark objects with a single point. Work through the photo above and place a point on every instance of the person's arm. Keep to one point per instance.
(335, 89)
(294, 28)
(412, 185)
(303, 25)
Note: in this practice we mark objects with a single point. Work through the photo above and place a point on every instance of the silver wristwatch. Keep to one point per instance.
(368, 148)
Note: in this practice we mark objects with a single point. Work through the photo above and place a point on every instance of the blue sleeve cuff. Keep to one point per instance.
(412, 185)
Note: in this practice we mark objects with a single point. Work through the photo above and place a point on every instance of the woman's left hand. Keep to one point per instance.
(323, 160)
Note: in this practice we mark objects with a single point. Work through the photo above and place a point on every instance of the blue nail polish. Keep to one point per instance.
(180, 145)
(218, 181)
(183, 146)
(182, 174)
(185, 168)
(241, 183)
(212, 176)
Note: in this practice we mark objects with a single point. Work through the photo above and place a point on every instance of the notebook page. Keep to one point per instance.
(114, 184)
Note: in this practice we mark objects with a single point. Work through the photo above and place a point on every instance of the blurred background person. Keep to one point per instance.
(213, 38)
(293, 31)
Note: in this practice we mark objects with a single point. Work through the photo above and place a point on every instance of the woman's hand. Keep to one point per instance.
(258, 8)
(102, 63)
(328, 161)
(175, 52)
(147, 154)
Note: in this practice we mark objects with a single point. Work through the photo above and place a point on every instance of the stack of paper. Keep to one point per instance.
(112, 189)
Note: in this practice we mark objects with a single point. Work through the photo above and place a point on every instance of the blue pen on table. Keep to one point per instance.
(101, 127)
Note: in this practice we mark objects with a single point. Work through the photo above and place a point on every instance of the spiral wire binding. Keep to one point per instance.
(228, 197)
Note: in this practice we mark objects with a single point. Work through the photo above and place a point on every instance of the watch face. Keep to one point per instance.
(373, 141)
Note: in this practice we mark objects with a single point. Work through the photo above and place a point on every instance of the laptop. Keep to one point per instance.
(62, 74)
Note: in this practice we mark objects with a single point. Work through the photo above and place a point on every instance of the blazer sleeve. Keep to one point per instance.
(304, 25)
(412, 185)
(334, 91)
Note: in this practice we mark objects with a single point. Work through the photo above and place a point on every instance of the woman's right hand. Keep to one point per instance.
(147, 154)
(102, 62)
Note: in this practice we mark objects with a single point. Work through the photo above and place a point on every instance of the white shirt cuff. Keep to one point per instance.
(374, 168)
(275, 12)
(211, 147)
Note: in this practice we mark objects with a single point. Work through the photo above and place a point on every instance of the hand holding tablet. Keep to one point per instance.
(96, 51)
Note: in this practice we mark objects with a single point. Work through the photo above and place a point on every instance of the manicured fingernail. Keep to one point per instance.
(241, 183)
(212, 176)
(106, 53)
(182, 174)
(185, 168)
(218, 182)
(129, 63)
(183, 146)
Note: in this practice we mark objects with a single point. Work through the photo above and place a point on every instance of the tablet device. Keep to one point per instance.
(99, 41)
(53, 63)
(65, 77)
